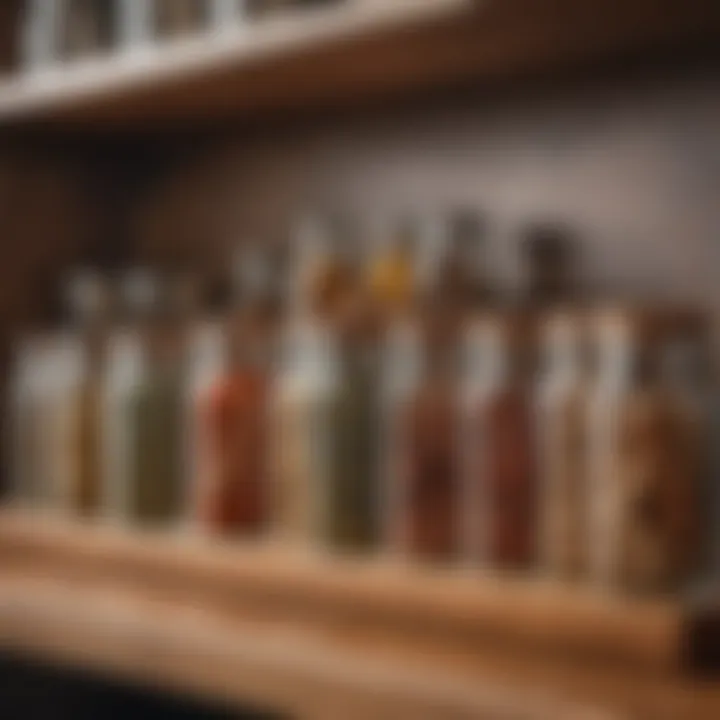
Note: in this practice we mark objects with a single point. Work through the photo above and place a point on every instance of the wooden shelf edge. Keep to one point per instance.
(337, 57)
(174, 647)
(450, 608)
(123, 74)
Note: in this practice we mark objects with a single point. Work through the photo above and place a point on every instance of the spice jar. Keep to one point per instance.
(301, 412)
(207, 355)
(400, 377)
(500, 464)
(428, 443)
(322, 275)
(87, 26)
(28, 401)
(233, 490)
(686, 368)
(124, 369)
(304, 463)
(353, 502)
(647, 484)
(175, 18)
(549, 255)
(462, 277)
(391, 272)
(156, 418)
(562, 444)
(89, 304)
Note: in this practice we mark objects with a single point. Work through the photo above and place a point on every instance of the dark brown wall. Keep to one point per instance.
(634, 164)
(633, 161)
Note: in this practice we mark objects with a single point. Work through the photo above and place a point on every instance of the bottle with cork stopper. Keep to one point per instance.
(644, 525)
(562, 442)
(500, 461)
(154, 402)
(233, 490)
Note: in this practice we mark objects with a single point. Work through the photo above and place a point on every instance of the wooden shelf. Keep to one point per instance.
(257, 623)
(339, 54)
(124, 79)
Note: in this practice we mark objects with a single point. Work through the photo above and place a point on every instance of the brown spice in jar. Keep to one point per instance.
(510, 477)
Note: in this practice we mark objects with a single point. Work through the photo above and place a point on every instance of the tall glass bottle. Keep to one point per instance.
(688, 372)
(616, 337)
(562, 444)
(304, 397)
(87, 26)
(646, 487)
(501, 464)
(124, 370)
(549, 255)
(175, 18)
(353, 494)
(391, 272)
(26, 432)
(89, 304)
(233, 492)
(658, 542)
(431, 462)
(462, 265)
(156, 419)
(206, 354)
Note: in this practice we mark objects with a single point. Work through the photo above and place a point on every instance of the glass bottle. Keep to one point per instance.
(428, 444)
(658, 544)
(548, 267)
(616, 336)
(353, 501)
(392, 269)
(562, 444)
(175, 18)
(401, 373)
(501, 463)
(305, 391)
(155, 495)
(124, 370)
(462, 267)
(234, 493)
(302, 434)
(206, 360)
(688, 373)
(26, 421)
(87, 26)
(321, 274)
(83, 366)
(647, 483)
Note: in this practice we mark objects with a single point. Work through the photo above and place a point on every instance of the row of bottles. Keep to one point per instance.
(386, 403)
(66, 29)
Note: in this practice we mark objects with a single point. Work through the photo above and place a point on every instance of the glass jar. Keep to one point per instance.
(391, 271)
(353, 502)
(647, 474)
(124, 370)
(87, 27)
(562, 444)
(501, 462)
(301, 412)
(28, 401)
(175, 18)
(233, 491)
(428, 447)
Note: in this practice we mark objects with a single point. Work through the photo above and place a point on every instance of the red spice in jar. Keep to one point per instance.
(431, 474)
(232, 494)
(510, 478)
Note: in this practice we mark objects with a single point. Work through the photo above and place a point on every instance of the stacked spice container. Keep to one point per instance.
(395, 405)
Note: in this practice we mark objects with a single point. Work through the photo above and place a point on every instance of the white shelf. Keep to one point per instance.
(245, 44)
